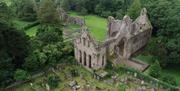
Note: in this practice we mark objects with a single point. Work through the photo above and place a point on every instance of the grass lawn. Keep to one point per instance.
(148, 59)
(20, 24)
(32, 31)
(96, 25)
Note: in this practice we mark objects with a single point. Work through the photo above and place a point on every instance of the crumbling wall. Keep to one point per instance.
(125, 38)
(70, 19)
(76, 20)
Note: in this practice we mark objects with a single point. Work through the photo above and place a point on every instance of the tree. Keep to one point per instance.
(67, 4)
(50, 36)
(155, 70)
(4, 14)
(84, 11)
(20, 75)
(164, 18)
(17, 45)
(28, 12)
(47, 13)
(135, 9)
(25, 9)
(32, 62)
(157, 48)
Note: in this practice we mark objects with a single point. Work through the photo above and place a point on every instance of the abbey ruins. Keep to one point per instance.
(125, 37)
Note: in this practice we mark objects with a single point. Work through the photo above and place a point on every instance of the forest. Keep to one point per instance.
(24, 53)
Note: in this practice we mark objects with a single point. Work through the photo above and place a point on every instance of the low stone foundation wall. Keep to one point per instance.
(70, 19)
(76, 20)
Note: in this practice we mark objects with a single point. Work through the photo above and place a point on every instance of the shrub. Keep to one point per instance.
(155, 70)
(106, 14)
(169, 79)
(53, 81)
(83, 11)
(74, 73)
(20, 75)
(109, 65)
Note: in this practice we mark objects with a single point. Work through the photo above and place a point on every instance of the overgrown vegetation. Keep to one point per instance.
(21, 55)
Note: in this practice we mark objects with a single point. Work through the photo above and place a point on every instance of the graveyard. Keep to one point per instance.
(86, 82)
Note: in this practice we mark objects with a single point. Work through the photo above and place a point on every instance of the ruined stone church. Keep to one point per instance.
(124, 38)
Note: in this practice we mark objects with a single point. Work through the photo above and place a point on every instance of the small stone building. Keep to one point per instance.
(125, 37)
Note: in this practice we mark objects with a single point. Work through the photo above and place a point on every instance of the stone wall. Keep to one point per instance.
(86, 51)
(70, 19)
(125, 37)
(76, 20)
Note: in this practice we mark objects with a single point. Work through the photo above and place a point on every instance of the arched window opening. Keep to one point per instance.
(90, 61)
(103, 60)
(80, 56)
(84, 41)
(85, 59)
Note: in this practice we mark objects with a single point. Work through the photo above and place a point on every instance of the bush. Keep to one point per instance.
(83, 11)
(109, 65)
(74, 72)
(20, 75)
(53, 81)
(169, 79)
(106, 14)
(155, 70)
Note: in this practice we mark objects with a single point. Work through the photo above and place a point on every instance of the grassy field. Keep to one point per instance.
(96, 25)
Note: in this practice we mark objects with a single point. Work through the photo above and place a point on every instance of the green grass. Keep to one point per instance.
(96, 25)
(86, 75)
(173, 72)
(72, 27)
(168, 71)
(32, 31)
(148, 58)
(20, 24)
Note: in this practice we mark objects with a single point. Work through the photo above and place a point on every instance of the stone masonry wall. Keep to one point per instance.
(125, 38)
